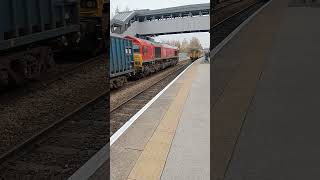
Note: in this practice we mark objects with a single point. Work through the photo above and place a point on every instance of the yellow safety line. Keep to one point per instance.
(151, 162)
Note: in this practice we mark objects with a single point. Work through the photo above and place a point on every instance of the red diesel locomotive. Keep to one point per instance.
(150, 57)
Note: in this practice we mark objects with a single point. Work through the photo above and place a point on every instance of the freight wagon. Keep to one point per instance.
(29, 32)
(121, 60)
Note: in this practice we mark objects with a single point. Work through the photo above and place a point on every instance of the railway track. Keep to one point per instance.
(224, 69)
(121, 113)
(63, 71)
(225, 4)
(60, 149)
(227, 8)
(224, 27)
(29, 111)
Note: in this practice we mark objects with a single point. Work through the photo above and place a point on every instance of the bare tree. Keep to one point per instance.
(184, 45)
(177, 44)
(195, 43)
(117, 10)
(127, 8)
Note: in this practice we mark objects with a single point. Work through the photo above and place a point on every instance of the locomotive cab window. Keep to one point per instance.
(136, 49)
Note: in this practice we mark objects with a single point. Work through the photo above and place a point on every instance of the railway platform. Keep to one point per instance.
(170, 139)
(265, 97)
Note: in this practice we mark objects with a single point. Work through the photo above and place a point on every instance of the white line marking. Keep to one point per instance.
(234, 32)
(117, 134)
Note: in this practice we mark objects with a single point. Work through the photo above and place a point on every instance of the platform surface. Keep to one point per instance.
(280, 133)
(189, 156)
(159, 144)
(236, 70)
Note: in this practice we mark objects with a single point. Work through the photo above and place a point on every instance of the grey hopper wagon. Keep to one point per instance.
(29, 31)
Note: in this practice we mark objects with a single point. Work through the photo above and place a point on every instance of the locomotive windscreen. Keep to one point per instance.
(157, 52)
(136, 49)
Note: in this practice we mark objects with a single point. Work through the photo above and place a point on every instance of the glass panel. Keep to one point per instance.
(136, 49)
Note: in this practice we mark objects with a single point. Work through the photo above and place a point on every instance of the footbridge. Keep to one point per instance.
(174, 20)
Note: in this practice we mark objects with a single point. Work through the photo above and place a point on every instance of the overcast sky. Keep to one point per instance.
(158, 4)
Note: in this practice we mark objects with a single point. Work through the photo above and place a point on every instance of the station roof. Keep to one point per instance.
(186, 8)
(123, 17)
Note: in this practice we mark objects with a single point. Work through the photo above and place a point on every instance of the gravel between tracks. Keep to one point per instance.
(59, 153)
(119, 96)
(22, 115)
